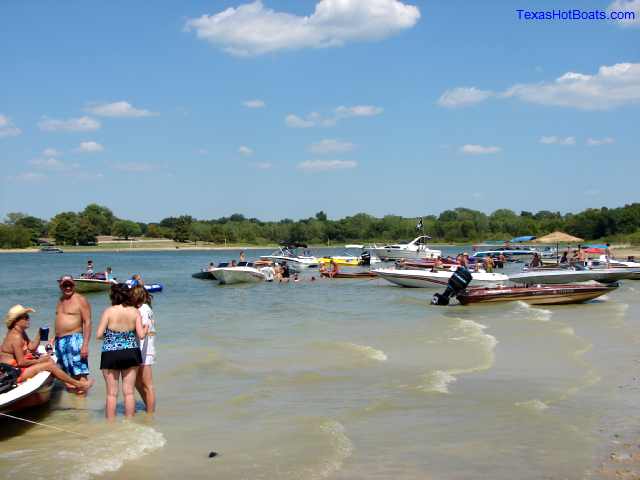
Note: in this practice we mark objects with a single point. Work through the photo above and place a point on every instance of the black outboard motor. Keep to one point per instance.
(460, 280)
(365, 258)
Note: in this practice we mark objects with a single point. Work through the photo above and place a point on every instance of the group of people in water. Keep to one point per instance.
(127, 330)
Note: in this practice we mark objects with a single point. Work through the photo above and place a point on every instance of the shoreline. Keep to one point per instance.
(621, 253)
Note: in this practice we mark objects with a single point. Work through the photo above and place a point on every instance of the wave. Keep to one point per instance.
(107, 450)
(366, 351)
(341, 445)
(472, 332)
(534, 405)
(535, 313)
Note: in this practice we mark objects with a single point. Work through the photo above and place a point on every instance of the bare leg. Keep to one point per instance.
(111, 382)
(57, 372)
(144, 384)
(128, 390)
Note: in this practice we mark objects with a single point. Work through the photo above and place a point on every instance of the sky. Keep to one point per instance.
(282, 108)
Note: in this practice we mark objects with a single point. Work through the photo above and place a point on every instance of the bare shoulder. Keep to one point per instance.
(81, 299)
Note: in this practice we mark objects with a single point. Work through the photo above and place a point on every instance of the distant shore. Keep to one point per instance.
(621, 252)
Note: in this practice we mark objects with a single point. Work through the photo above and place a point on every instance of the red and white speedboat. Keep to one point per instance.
(535, 295)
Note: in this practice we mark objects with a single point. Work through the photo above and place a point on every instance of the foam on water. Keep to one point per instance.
(535, 313)
(437, 381)
(341, 445)
(366, 351)
(533, 405)
(472, 332)
(81, 459)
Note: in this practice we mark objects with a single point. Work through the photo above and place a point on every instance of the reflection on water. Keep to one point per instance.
(334, 379)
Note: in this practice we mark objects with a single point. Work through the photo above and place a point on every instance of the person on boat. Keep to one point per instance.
(108, 275)
(136, 279)
(19, 351)
(211, 266)
(609, 253)
(120, 328)
(89, 273)
(242, 256)
(464, 260)
(334, 269)
(581, 256)
(564, 258)
(501, 260)
(535, 261)
(437, 264)
(233, 263)
(269, 273)
(144, 381)
(488, 264)
(72, 330)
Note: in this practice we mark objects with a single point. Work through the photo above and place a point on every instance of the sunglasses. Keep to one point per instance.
(25, 317)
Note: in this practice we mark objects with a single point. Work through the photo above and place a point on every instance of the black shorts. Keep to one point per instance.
(120, 359)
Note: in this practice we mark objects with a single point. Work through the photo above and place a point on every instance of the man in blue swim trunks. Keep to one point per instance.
(73, 330)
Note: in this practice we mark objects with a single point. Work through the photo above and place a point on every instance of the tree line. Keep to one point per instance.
(20, 230)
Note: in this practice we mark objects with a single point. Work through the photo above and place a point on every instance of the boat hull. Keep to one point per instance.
(386, 254)
(427, 279)
(349, 274)
(33, 392)
(89, 285)
(556, 295)
(610, 275)
(233, 275)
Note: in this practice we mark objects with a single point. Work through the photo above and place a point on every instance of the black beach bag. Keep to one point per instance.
(8, 377)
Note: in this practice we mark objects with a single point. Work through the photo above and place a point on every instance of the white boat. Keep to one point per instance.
(88, 285)
(32, 392)
(522, 253)
(242, 273)
(602, 262)
(288, 255)
(417, 248)
(420, 278)
(571, 275)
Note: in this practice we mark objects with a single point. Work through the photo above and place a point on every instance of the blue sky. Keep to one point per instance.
(281, 108)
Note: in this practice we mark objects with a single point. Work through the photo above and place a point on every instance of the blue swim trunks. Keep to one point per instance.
(68, 353)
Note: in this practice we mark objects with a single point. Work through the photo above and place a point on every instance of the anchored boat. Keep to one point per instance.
(420, 278)
(535, 295)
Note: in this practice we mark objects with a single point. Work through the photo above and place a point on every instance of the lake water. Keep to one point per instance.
(341, 379)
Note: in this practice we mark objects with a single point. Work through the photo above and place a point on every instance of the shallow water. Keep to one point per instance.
(342, 379)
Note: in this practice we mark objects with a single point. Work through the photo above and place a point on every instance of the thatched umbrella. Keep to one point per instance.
(558, 237)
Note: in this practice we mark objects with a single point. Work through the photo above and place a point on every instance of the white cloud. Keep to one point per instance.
(50, 152)
(295, 121)
(596, 142)
(470, 149)
(251, 29)
(612, 86)
(315, 119)
(244, 150)
(463, 96)
(358, 111)
(133, 167)
(325, 165)
(82, 124)
(118, 109)
(254, 104)
(7, 128)
(553, 140)
(329, 145)
(53, 164)
(626, 6)
(28, 177)
(261, 165)
(90, 147)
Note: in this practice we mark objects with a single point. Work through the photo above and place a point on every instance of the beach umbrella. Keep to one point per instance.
(558, 237)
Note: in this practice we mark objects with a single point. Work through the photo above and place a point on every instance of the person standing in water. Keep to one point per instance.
(120, 327)
(72, 330)
(141, 299)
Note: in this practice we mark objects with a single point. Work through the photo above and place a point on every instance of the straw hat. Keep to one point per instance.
(15, 313)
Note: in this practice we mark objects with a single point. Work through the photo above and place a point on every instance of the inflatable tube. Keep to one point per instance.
(154, 287)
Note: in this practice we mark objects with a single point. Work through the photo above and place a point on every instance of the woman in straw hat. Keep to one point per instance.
(17, 351)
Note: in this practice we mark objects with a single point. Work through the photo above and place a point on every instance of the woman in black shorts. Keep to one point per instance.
(120, 328)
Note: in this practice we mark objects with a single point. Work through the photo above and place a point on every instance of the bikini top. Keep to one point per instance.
(119, 340)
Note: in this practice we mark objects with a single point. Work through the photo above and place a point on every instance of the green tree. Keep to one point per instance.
(126, 229)
(182, 231)
(64, 228)
(100, 217)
